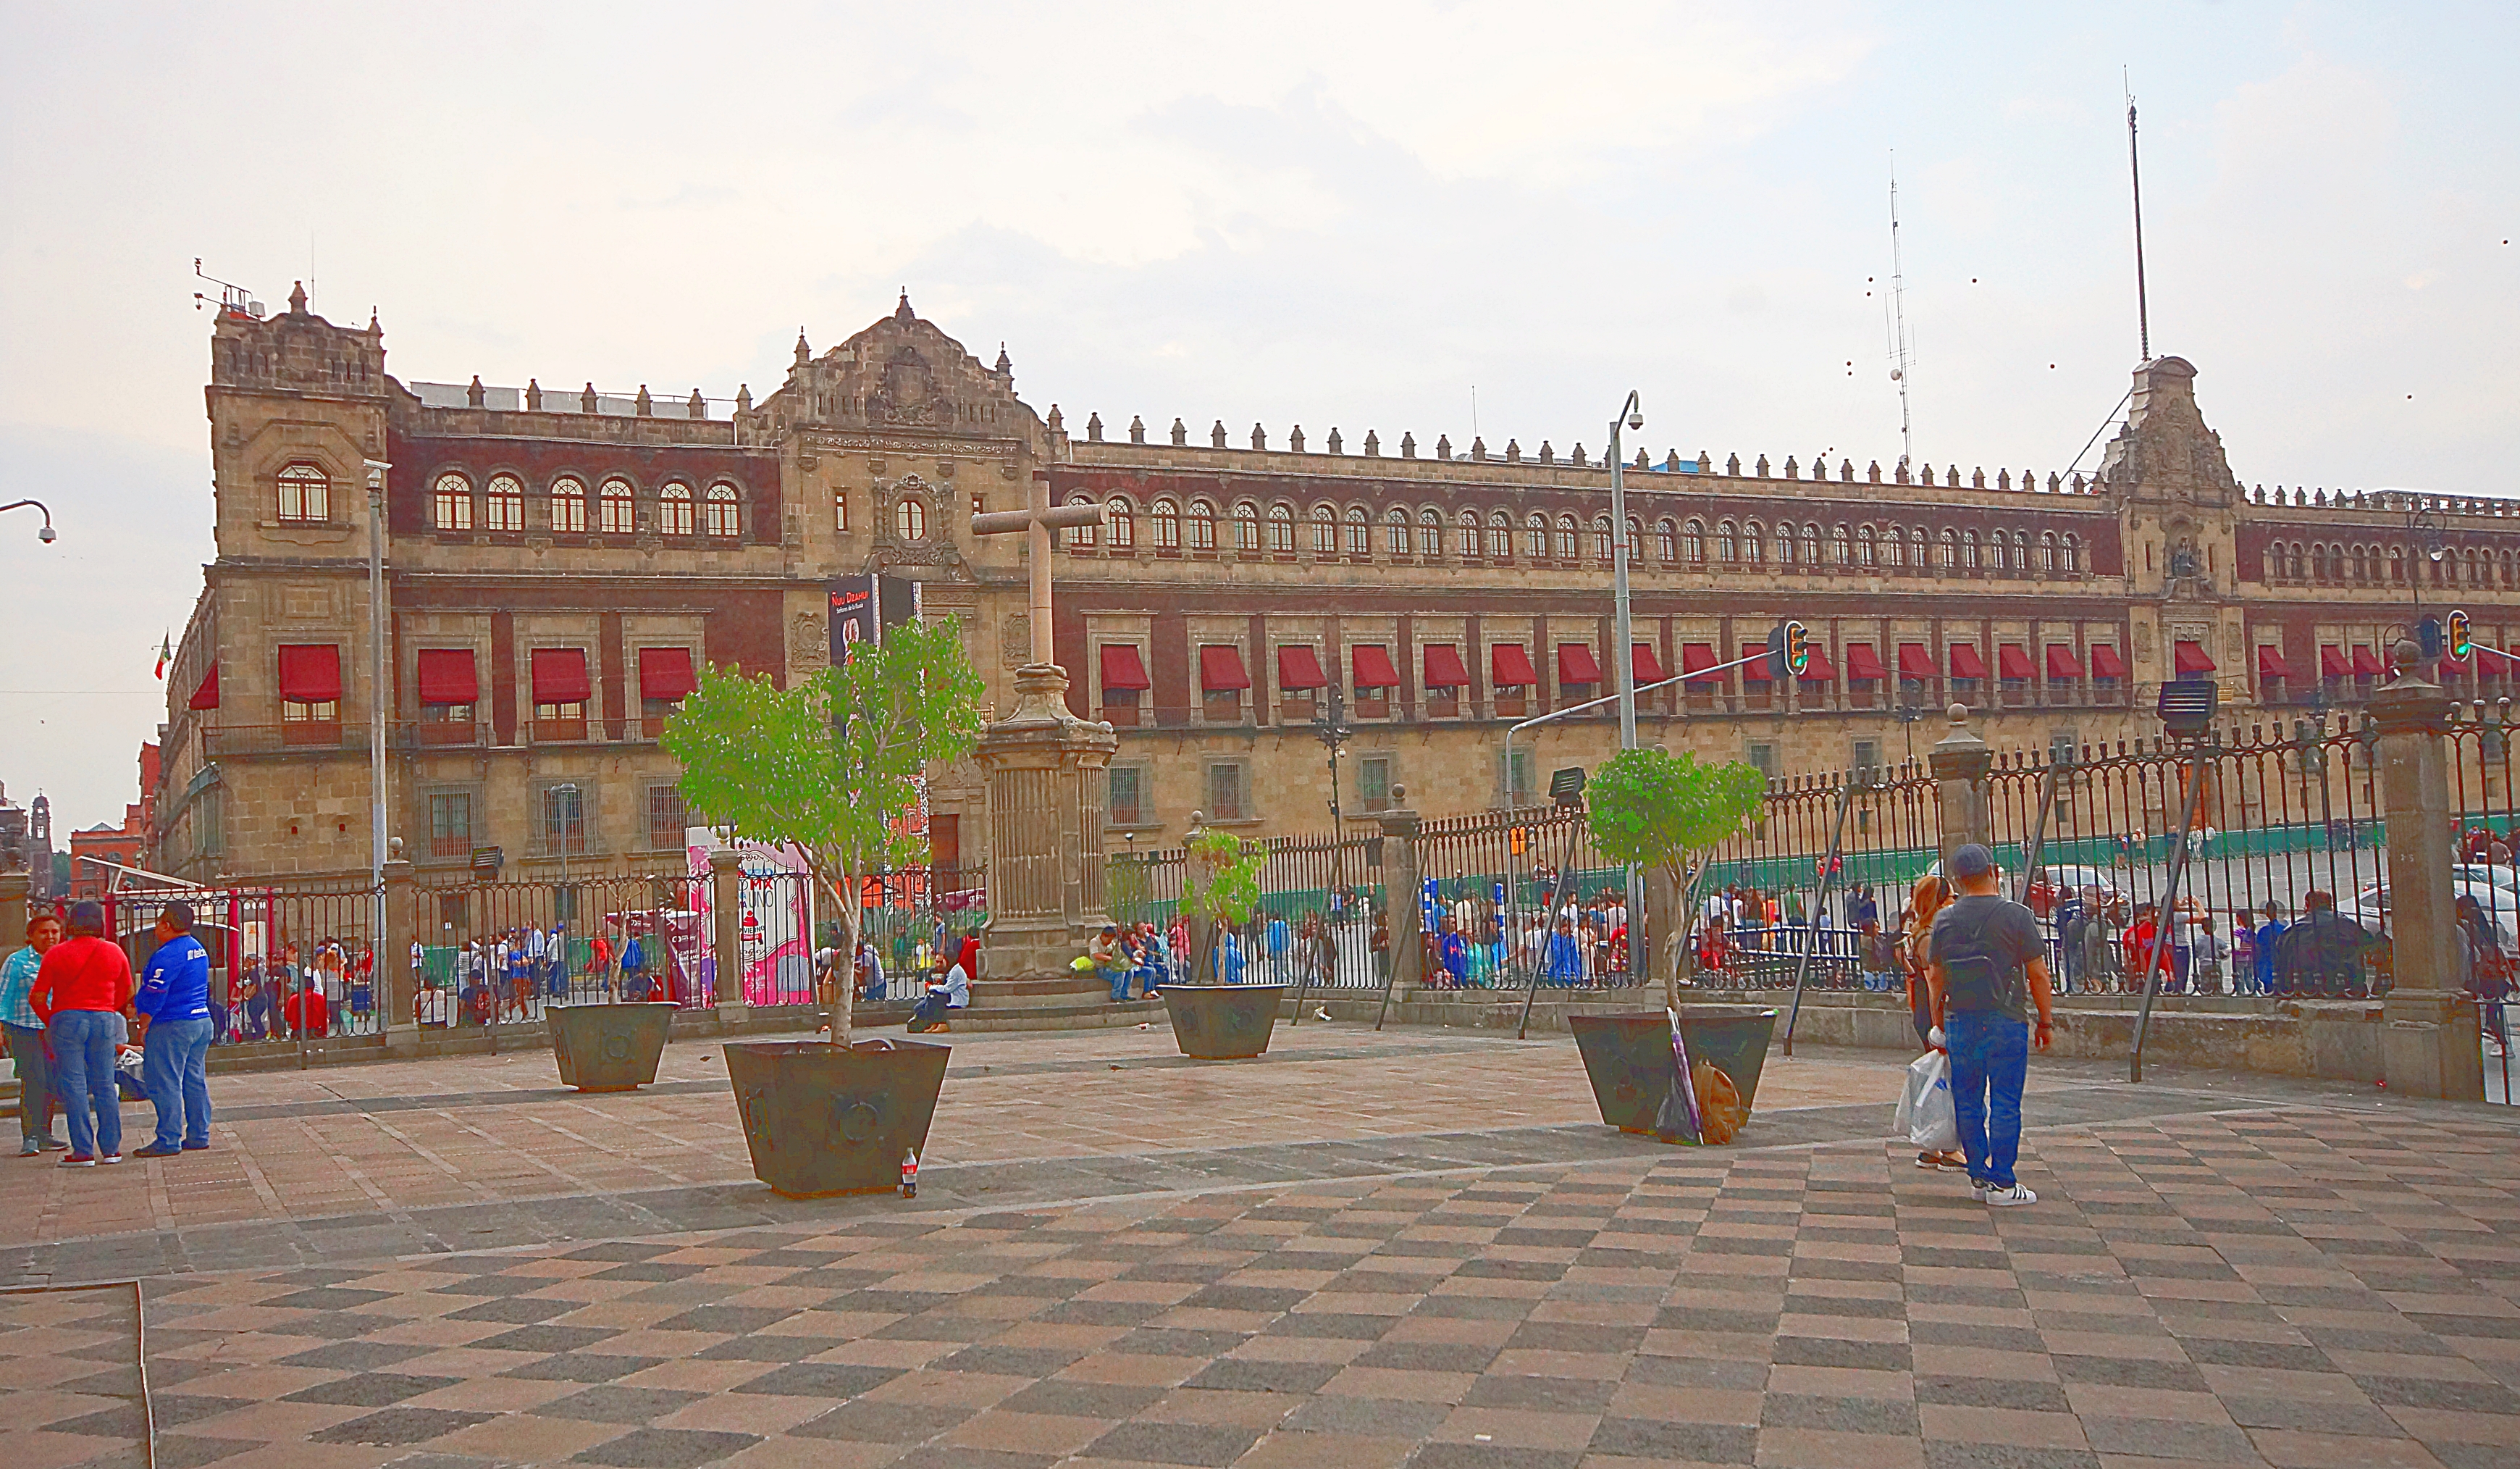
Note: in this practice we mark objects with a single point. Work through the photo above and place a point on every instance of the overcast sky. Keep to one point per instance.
(1356, 216)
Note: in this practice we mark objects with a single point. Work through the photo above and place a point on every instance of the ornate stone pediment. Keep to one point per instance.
(901, 374)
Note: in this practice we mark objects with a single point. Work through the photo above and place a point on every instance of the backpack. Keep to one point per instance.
(1977, 974)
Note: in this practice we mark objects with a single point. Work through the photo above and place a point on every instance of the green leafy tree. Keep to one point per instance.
(1652, 808)
(827, 766)
(1220, 884)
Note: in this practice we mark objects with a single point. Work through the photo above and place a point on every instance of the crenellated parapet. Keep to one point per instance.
(298, 351)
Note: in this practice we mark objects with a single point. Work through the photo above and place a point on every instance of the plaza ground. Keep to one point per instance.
(1413, 1247)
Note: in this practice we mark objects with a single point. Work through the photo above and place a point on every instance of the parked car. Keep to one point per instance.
(2050, 885)
(2370, 908)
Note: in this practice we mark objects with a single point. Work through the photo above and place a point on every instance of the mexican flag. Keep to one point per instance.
(165, 652)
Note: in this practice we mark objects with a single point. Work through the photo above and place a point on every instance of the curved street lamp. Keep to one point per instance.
(46, 534)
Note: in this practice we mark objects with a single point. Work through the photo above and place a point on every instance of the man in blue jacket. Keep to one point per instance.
(174, 1008)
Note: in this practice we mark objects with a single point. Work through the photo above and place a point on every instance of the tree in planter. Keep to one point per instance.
(827, 766)
(1652, 808)
(1220, 884)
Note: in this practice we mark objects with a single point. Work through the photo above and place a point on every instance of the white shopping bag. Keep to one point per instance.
(1925, 1105)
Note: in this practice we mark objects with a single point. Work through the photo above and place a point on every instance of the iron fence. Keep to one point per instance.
(1318, 921)
(288, 964)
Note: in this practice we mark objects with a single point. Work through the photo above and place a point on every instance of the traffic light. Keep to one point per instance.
(2428, 636)
(1788, 650)
(2459, 639)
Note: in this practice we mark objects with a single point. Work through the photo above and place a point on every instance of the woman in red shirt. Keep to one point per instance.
(81, 991)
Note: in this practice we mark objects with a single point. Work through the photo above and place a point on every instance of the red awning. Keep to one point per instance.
(2189, 657)
(1299, 669)
(1220, 669)
(1965, 662)
(1644, 666)
(206, 694)
(559, 676)
(1863, 663)
(2012, 660)
(1371, 664)
(1575, 665)
(1444, 668)
(310, 673)
(666, 673)
(446, 677)
(2332, 663)
(1696, 659)
(2105, 663)
(2452, 664)
(1914, 662)
(1121, 668)
(2494, 662)
(1755, 670)
(2061, 662)
(1509, 668)
(1818, 669)
(2366, 664)
(2270, 662)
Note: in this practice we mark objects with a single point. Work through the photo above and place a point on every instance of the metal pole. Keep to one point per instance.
(1622, 653)
(377, 676)
(2169, 912)
(1827, 877)
(1548, 923)
(2038, 834)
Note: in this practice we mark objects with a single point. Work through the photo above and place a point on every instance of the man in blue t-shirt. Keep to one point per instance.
(2269, 935)
(175, 1032)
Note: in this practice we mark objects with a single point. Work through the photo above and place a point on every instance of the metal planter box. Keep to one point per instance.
(609, 1047)
(822, 1121)
(1630, 1062)
(1223, 1022)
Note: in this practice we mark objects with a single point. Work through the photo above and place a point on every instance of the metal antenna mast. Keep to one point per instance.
(1899, 322)
(2134, 176)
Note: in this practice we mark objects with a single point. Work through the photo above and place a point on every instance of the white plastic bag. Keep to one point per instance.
(1925, 1105)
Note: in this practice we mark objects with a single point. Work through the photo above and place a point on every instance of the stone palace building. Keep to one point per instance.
(559, 565)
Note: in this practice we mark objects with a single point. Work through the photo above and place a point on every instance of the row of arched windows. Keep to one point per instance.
(1430, 534)
(611, 509)
(2386, 566)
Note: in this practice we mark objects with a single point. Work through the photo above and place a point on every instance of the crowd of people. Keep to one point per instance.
(78, 1022)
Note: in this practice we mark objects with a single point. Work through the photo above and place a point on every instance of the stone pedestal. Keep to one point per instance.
(395, 977)
(725, 930)
(1046, 771)
(1960, 761)
(14, 887)
(1401, 889)
(2429, 1047)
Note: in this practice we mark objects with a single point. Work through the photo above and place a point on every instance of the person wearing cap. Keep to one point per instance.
(1989, 969)
(24, 1028)
(175, 1032)
(80, 992)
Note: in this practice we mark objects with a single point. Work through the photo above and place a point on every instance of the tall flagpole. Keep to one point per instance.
(2134, 175)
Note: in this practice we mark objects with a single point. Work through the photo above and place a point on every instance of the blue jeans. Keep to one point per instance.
(174, 1069)
(1117, 975)
(83, 1077)
(1990, 1055)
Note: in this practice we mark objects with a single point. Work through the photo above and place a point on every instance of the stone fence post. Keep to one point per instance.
(14, 887)
(1960, 762)
(2430, 1046)
(725, 923)
(1401, 886)
(396, 979)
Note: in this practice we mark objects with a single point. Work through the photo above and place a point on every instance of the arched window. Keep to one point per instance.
(1666, 542)
(1951, 550)
(305, 494)
(1636, 540)
(620, 508)
(1894, 548)
(1810, 545)
(1499, 536)
(1360, 532)
(1202, 526)
(1246, 527)
(2508, 568)
(674, 513)
(1567, 549)
(1867, 547)
(2300, 562)
(1282, 529)
(1728, 543)
(1602, 538)
(1120, 519)
(1395, 532)
(1430, 534)
(1535, 536)
(453, 503)
(503, 504)
(2046, 551)
(1969, 552)
(1082, 537)
(568, 506)
(1325, 530)
(1692, 543)
(1465, 534)
(1754, 543)
(1785, 554)
(1165, 518)
(725, 512)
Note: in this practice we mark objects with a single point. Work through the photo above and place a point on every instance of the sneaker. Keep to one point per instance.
(54, 1145)
(156, 1150)
(2006, 1198)
(79, 1161)
(30, 1148)
(110, 1157)
(197, 1147)
(1978, 1189)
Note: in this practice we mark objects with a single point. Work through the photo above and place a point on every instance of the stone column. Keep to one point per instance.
(2429, 1045)
(1046, 771)
(394, 978)
(726, 929)
(1960, 761)
(1401, 887)
(14, 887)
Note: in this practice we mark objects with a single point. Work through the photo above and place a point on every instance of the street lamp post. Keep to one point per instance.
(1630, 415)
(1331, 728)
(2423, 540)
(46, 534)
(376, 685)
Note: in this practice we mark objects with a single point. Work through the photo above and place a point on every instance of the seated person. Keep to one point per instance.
(951, 993)
(307, 1012)
(1110, 956)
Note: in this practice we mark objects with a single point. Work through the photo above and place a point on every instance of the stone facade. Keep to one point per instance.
(552, 557)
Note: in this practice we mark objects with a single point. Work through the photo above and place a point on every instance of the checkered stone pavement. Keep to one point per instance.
(2296, 1285)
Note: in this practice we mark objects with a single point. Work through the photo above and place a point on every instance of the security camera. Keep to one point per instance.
(45, 536)
(1635, 420)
